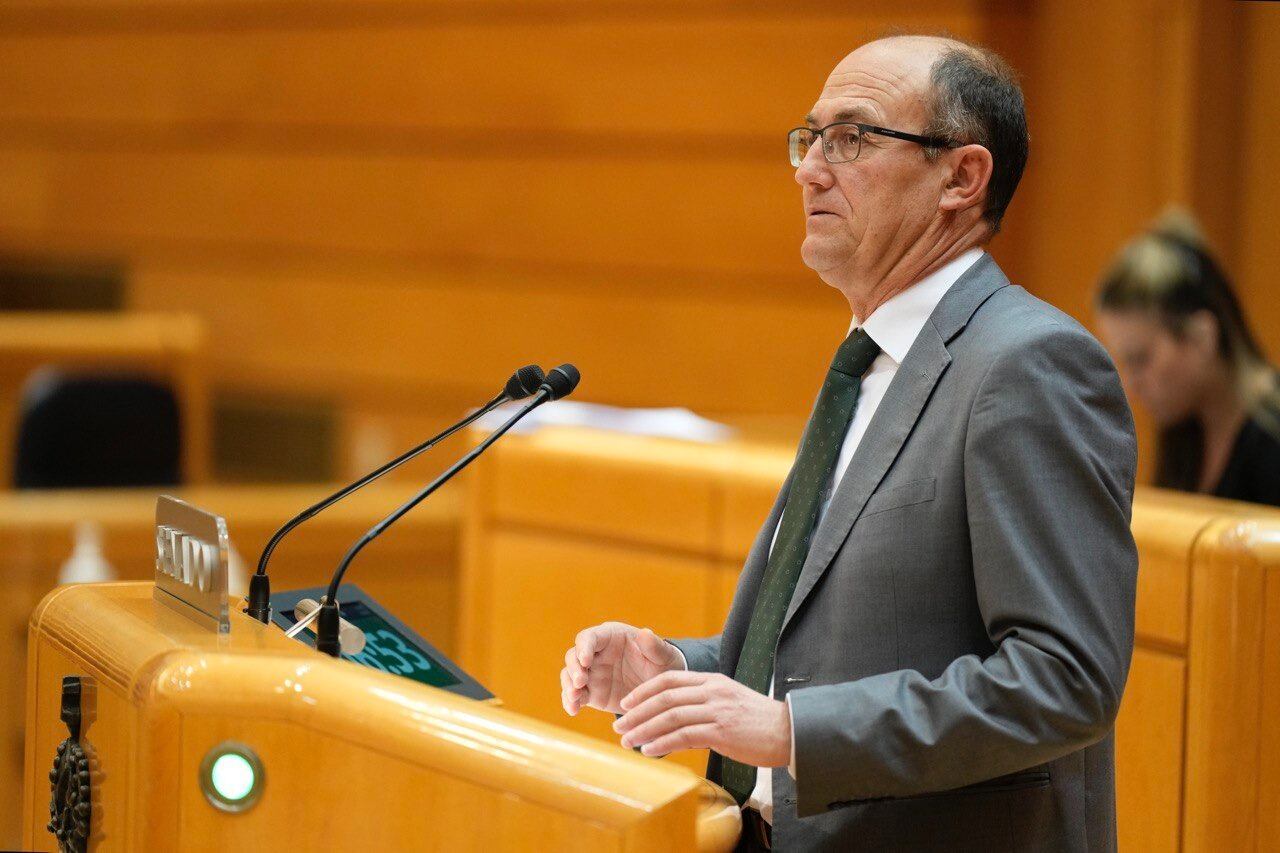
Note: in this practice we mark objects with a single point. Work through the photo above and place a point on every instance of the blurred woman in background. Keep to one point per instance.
(1179, 337)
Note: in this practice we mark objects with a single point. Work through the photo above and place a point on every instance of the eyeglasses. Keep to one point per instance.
(842, 141)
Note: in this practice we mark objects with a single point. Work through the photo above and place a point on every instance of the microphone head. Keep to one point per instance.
(525, 381)
(561, 381)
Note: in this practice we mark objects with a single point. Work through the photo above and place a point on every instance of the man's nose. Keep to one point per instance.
(814, 168)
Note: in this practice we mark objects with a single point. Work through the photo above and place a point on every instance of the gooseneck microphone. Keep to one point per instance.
(558, 383)
(525, 381)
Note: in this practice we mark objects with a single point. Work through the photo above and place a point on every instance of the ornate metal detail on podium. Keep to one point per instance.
(191, 562)
(71, 780)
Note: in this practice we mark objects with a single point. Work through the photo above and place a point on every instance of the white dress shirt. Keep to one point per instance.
(894, 326)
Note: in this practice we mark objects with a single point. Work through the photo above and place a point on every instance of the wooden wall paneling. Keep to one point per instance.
(203, 187)
(446, 208)
(409, 338)
(1009, 27)
(245, 128)
(476, 579)
(1258, 250)
(1269, 734)
(1110, 136)
(569, 480)
(195, 411)
(749, 491)
(1167, 526)
(1135, 105)
(40, 15)
(1214, 135)
(1232, 561)
(673, 83)
(1064, 191)
(401, 343)
(182, 143)
(545, 587)
(1149, 753)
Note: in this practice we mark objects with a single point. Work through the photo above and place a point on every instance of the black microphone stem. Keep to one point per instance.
(259, 585)
(557, 384)
(332, 594)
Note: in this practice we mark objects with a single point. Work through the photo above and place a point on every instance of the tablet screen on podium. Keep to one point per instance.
(390, 645)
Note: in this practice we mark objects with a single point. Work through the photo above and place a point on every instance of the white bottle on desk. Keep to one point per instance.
(87, 563)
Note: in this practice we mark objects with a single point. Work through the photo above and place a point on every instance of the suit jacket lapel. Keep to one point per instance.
(894, 419)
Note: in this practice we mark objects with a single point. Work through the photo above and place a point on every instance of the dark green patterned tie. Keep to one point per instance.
(815, 462)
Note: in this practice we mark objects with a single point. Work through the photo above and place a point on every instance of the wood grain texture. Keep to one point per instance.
(646, 199)
(452, 773)
(1235, 562)
(1257, 252)
(640, 161)
(1269, 739)
(663, 83)
(546, 588)
(1167, 526)
(1149, 753)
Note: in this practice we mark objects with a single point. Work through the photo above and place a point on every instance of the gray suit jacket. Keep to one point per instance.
(960, 635)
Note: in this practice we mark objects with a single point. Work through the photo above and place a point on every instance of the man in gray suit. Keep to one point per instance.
(931, 635)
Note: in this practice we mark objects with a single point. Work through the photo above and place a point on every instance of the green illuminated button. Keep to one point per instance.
(231, 777)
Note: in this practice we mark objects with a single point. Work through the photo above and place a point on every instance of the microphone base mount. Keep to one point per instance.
(327, 641)
(259, 598)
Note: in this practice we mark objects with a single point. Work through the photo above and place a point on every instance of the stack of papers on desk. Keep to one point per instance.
(660, 423)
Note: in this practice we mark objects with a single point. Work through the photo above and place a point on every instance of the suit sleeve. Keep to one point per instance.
(701, 655)
(1049, 462)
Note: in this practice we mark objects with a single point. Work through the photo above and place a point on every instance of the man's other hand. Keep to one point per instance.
(700, 710)
(609, 661)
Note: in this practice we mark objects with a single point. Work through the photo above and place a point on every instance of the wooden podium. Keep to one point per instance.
(341, 757)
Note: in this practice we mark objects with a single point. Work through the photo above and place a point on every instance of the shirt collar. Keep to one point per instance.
(896, 324)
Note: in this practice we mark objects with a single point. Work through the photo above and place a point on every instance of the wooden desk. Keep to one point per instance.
(557, 521)
(411, 569)
(169, 347)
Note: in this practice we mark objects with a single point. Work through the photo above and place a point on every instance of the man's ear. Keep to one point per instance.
(967, 180)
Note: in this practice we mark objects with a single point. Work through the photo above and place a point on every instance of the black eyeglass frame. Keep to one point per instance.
(924, 141)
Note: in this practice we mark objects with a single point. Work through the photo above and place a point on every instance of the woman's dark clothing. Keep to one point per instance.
(1252, 472)
(1253, 469)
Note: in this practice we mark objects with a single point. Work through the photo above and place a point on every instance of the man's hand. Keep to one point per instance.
(699, 710)
(609, 661)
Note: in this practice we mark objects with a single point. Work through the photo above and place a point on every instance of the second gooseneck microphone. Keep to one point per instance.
(558, 383)
(525, 381)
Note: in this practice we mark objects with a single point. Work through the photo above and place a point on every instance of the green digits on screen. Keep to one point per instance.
(386, 649)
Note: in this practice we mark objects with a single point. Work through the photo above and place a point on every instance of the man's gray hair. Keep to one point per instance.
(975, 98)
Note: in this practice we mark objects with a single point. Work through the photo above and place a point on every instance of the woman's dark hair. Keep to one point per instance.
(1169, 274)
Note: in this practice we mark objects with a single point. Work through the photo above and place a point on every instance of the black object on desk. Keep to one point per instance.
(390, 645)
